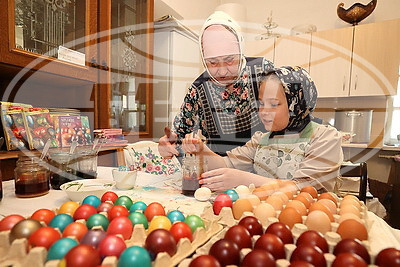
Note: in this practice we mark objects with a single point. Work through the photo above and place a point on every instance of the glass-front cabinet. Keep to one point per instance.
(106, 44)
(127, 35)
(54, 36)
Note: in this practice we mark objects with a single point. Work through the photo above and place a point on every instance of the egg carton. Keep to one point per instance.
(332, 239)
(17, 253)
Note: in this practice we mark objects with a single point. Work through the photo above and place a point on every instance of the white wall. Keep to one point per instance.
(286, 13)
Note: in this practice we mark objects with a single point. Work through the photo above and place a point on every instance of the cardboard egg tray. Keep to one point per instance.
(226, 217)
(18, 253)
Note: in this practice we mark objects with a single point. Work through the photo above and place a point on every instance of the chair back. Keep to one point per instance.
(357, 170)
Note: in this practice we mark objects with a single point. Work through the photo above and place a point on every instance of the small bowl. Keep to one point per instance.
(124, 180)
(79, 189)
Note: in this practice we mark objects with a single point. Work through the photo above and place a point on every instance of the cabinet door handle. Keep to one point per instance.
(93, 63)
(355, 83)
(104, 65)
(344, 82)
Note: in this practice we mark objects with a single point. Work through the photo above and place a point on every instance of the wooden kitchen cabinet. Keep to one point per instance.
(330, 61)
(293, 51)
(376, 59)
(357, 61)
(32, 31)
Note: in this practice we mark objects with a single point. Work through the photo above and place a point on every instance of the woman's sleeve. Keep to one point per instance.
(190, 115)
(267, 65)
(322, 161)
(242, 157)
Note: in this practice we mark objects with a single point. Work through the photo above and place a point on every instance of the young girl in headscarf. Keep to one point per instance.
(294, 149)
(222, 101)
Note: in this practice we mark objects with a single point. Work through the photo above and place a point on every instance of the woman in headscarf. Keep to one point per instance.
(221, 102)
(294, 149)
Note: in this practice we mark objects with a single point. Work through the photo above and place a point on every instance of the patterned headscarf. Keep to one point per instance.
(301, 96)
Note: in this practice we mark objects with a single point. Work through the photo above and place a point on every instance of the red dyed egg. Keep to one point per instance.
(352, 246)
(222, 200)
(282, 231)
(44, 237)
(240, 236)
(82, 255)
(154, 209)
(313, 238)
(84, 212)
(258, 258)
(117, 210)
(349, 259)
(271, 243)
(300, 264)
(8, 222)
(121, 225)
(309, 254)
(204, 261)
(109, 196)
(226, 252)
(160, 240)
(180, 230)
(43, 215)
(388, 257)
(252, 224)
(111, 245)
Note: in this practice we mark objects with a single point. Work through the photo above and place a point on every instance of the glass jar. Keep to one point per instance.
(192, 168)
(86, 164)
(63, 168)
(31, 177)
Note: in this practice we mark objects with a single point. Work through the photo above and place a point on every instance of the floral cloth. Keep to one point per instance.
(149, 160)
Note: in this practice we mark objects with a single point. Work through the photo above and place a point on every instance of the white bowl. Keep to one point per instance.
(124, 180)
(79, 189)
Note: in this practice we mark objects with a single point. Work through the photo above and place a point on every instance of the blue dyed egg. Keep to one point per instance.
(92, 200)
(58, 250)
(175, 216)
(134, 256)
(140, 205)
(232, 194)
(61, 221)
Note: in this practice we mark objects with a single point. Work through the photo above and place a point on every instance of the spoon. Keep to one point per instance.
(74, 144)
(95, 142)
(45, 149)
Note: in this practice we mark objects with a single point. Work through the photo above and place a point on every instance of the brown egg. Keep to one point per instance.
(350, 209)
(275, 201)
(303, 200)
(319, 221)
(311, 190)
(307, 196)
(351, 201)
(352, 229)
(329, 204)
(287, 187)
(351, 197)
(241, 205)
(328, 195)
(290, 216)
(282, 195)
(321, 207)
(262, 193)
(264, 211)
(255, 200)
(298, 205)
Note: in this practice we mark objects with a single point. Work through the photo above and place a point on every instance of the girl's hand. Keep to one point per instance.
(224, 178)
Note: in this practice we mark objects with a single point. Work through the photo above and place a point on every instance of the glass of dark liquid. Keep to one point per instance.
(63, 168)
(192, 168)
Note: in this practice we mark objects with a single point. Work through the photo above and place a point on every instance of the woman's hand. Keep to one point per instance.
(224, 178)
(193, 143)
(167, 146)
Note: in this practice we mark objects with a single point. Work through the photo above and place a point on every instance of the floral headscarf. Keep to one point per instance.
(301, 95)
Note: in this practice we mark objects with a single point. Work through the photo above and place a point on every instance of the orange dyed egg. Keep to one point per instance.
(352, 229)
